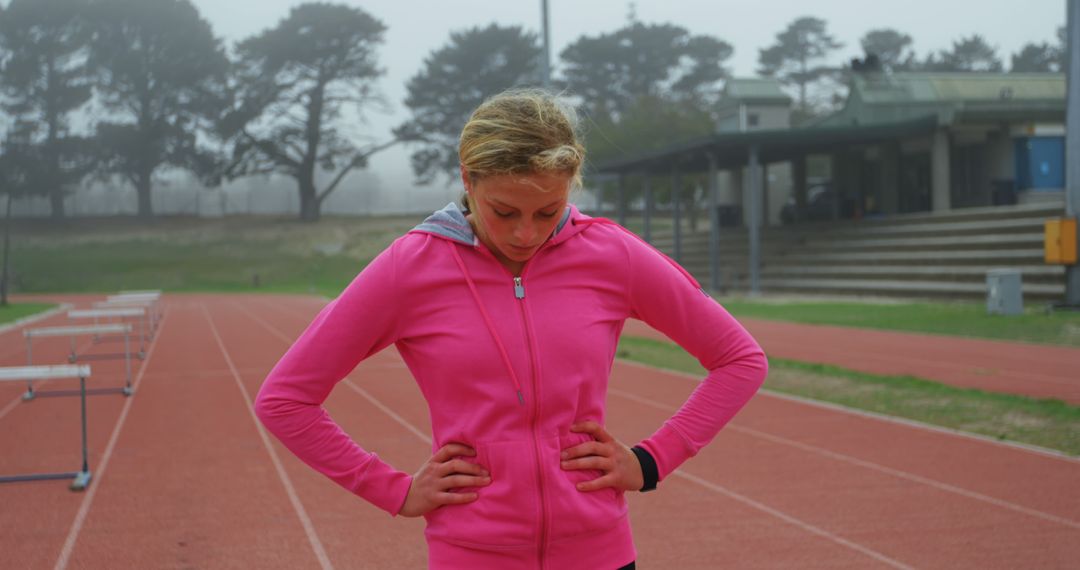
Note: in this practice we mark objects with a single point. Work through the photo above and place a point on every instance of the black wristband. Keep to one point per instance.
(648, 468)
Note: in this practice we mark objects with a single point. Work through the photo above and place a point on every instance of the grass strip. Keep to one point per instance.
(15, 311)
(213, 267)
(961, 318)
(1007, 417)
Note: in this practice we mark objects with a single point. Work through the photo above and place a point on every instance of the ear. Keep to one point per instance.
(465, 180)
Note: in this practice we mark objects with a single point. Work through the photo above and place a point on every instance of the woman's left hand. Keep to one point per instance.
(621, 468)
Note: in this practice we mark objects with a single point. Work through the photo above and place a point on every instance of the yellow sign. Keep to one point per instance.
(1060, 241)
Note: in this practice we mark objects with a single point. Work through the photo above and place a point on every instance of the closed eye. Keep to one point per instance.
(547, 214)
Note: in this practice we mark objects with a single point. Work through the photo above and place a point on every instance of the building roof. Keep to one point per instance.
(879, 108)
(755, 89)
(876, 97)
(777, 145)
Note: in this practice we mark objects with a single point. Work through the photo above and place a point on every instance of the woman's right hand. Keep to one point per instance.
(432, 484)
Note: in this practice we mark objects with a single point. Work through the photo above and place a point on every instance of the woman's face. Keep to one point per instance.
(514, 214)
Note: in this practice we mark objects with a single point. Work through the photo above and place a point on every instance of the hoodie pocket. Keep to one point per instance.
(505, 511)
(574, 512)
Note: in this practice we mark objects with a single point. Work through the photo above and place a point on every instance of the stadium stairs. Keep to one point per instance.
(931, 255)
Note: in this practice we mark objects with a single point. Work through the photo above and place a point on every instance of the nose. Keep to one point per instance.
(525, 233)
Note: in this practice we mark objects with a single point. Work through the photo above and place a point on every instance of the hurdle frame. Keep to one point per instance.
(82, 371)
(71, 332)
(140, 312)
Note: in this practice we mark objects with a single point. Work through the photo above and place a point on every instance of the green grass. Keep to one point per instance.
(968, 319)
(179, 267)
(1047, 423)
(15, 311)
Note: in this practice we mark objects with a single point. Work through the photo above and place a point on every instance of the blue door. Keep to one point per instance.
(1040, 163)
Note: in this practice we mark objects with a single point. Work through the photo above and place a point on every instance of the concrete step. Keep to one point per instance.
(1033, 274)
(902, 288)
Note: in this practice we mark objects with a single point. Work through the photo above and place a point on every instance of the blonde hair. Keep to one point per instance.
(522, 131)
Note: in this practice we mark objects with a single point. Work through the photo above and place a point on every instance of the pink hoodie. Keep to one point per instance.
(507, 365)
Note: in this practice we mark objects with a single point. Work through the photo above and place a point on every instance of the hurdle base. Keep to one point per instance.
(39, 477)
(28, 395)
(82, 479)
(90, 392)
(127, 391)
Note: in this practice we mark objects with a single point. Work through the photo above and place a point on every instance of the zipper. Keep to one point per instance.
(519, 294)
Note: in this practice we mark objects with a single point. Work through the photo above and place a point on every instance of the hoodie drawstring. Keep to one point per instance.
(487, 321)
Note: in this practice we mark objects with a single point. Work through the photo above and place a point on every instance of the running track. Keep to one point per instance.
(184, 477)
(1040, 371)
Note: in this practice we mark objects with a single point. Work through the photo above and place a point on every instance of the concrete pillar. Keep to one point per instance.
(676, 210)
(620, 200)
(714, 224)
(839, 177)
(1072, 140)
(798, 175)
(940, 196)
(754, 193)
(890, 178)
(732, 195)
(648, 209)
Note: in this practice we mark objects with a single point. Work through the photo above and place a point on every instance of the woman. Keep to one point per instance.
(508, 312)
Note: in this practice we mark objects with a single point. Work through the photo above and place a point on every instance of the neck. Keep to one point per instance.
(514, 267)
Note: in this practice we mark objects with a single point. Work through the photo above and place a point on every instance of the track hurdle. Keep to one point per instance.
(30, 373)
(129, 312)
(151, 317)
(71, 333)
(135, 297)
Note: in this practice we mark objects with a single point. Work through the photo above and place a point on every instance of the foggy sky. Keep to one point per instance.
(416, 27)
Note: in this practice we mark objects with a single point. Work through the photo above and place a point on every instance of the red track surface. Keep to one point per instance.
(1028, 369)
(184, 477)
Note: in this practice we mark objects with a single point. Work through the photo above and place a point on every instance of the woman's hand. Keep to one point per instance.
(432, 485)
(621, 468)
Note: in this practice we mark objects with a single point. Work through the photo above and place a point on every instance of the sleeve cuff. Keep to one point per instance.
(384, 486)
(649, 472)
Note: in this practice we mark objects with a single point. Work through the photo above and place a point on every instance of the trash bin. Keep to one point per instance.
(1004, 294)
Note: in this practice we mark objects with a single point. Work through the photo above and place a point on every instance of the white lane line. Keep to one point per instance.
(708, 485)
(290, 490)
(1015, 446)
(281, 336)
(867, 464)
(792, 520)
(99, 472)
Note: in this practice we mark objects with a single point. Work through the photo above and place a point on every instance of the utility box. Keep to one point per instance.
(1060, 241)
(1004, 295)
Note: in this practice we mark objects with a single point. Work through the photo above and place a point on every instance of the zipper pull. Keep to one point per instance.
(519, 289)
(521, 398)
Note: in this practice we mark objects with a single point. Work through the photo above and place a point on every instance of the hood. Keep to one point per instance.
(449, 223)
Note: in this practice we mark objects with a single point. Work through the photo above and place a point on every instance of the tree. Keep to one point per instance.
(967, 54)
(1036, 58)
(20, 165)
(798, 55)
(292, 83)
(611, 71)
(44, 79)
(158, 65)
(892, 48)
(456, 78)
